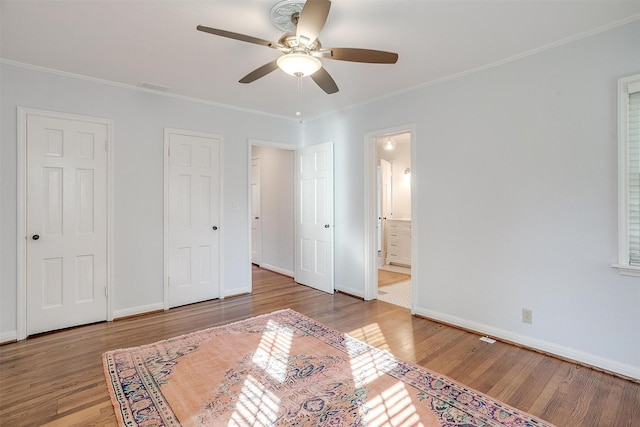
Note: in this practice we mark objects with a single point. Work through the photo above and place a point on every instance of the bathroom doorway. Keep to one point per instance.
(394, 218)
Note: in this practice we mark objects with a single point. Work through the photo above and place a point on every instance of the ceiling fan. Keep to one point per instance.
(300, 45)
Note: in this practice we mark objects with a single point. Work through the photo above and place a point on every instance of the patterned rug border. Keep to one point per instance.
(446, 389)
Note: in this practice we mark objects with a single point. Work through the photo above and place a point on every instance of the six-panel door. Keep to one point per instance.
(66, 261)
(194, 217)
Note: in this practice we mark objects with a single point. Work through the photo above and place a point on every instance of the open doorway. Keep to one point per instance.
(391, 216)
(271, 206)
(393, 231)
(291, 214)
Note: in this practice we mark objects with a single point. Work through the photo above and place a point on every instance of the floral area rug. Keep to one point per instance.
(285, 369)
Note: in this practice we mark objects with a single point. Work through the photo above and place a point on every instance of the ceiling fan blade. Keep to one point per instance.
(360, 55)
(259, 72)
(237, 36)
(312, 18)
(325, 81)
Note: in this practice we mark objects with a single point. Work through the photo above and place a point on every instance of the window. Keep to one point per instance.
(629, 175)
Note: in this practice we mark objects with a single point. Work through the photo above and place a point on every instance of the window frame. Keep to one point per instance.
(626, 86)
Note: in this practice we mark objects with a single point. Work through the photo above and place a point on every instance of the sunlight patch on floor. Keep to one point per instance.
(272, 354)
(372, 335)
(255, 406)
(366, 368)
(393, 407)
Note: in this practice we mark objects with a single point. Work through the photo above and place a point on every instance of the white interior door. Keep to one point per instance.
(314, 217)
(193, 217)
(66, 224)
(385, 203)
(256, 221)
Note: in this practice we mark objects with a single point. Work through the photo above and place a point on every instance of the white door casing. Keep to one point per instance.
(256, 219)
(314, 217)
(64, 221)
(193, 220)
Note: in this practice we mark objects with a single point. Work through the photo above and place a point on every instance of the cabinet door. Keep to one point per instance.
(399, 242)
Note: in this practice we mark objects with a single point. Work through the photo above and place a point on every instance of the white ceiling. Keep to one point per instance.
(156, 41)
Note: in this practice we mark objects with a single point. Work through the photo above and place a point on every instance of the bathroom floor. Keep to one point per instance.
(399, 293)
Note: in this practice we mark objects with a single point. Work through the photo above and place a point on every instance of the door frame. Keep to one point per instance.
(265, 143)
(21, 232)
(370, 211)
(165, 273)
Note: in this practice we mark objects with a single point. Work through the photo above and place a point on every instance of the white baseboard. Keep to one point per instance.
(141, 309)
(534, 343)
(8, 336)
(277, 270)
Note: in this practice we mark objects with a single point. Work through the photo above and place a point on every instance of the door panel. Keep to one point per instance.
(194, 216)
(66, 260)
(314, 217)
(256, 218)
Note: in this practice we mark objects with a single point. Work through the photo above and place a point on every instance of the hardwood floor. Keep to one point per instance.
(57, 379)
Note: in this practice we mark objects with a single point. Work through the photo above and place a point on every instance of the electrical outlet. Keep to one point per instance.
(527, 316)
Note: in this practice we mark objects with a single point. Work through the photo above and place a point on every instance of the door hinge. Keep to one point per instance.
(106, 145)
(106, 291)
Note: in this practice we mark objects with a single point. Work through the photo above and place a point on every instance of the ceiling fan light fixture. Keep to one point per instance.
(299, 64)
(302, 21)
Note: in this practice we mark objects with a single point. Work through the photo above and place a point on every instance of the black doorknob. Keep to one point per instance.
(35, 237)
(326, 226)
(215, 227)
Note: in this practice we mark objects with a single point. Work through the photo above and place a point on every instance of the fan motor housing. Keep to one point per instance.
(291, 41)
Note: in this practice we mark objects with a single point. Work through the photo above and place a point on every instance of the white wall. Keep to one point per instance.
(139, 119)
(516, 172)
(277, 208)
